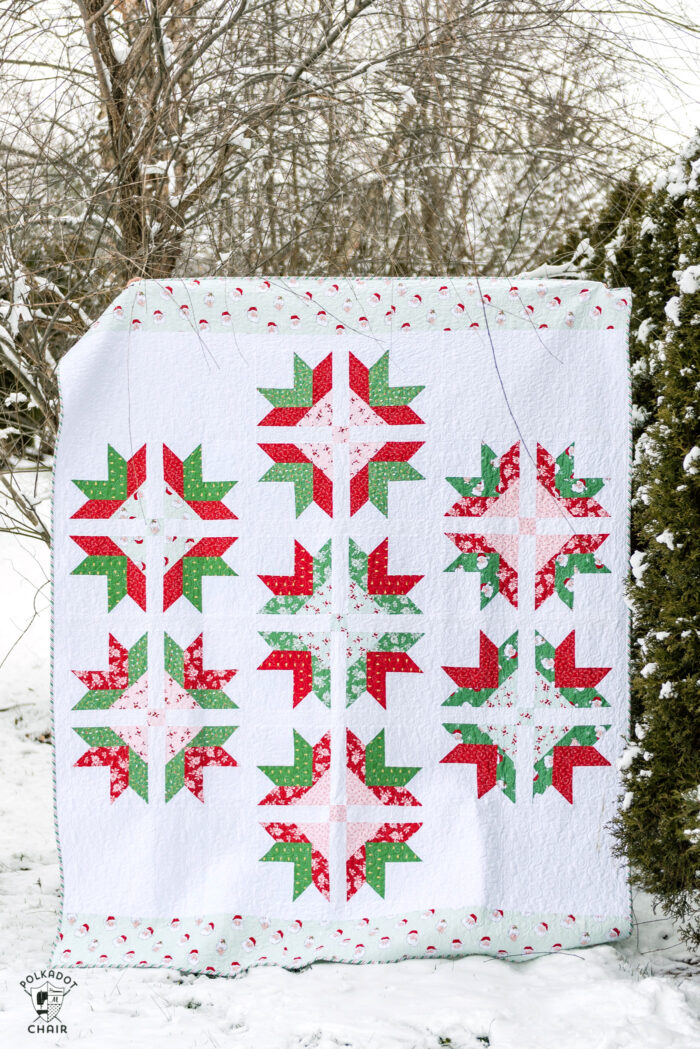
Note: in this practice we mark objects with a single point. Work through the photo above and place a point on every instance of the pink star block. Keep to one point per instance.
(527, 525)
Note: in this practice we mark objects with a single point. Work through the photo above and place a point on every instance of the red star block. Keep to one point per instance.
(196, 760)
(484, 756)
(301, 583)
(301, 666)
(483, 676)
(379, 664)
(565, 760)
(378, 579)
(567, 674)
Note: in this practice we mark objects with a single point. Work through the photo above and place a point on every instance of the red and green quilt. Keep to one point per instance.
(340, 637)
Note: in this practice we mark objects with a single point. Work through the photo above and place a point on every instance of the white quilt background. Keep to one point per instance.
(185, 857)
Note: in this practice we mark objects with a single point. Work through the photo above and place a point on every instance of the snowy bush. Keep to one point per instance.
(649, 239)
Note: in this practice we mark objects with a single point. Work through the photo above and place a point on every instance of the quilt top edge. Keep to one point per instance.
(375, 306)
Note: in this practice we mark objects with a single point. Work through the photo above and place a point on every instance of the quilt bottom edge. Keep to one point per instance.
(226, 944)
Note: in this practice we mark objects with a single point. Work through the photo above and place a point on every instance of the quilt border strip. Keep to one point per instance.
(224, 945)
(366, 306)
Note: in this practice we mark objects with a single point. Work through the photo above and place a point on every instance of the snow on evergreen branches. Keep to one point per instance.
(650, 240)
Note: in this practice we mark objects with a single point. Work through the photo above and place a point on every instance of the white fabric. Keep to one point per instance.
(493, 386)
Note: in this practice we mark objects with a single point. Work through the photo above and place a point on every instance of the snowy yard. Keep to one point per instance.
(640, 993)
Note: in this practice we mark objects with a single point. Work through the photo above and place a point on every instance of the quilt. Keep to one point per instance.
(339, 662)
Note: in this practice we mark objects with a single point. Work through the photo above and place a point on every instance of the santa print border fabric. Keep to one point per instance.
(339, 665)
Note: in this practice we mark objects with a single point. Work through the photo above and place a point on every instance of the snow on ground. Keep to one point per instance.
(643, 993)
